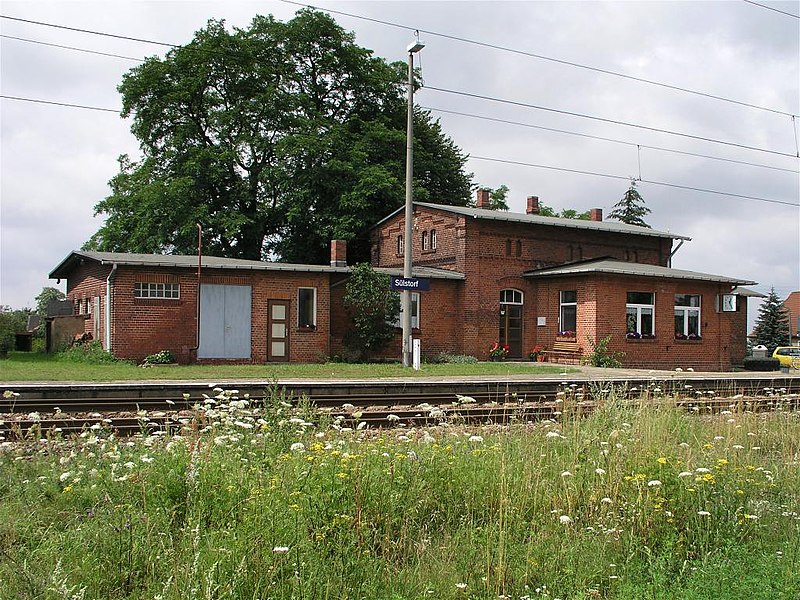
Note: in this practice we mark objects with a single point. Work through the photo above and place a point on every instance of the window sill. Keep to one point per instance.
(640, 340)
(688, 340)
(307, 328)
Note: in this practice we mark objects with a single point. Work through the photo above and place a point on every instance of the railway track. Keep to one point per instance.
(53, 410)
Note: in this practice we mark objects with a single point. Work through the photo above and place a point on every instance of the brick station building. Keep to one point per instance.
(522, 280)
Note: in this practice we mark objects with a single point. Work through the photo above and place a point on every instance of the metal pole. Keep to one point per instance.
(409, 214)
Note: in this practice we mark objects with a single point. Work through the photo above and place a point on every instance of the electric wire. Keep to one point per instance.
(581, 115)
(622, 177)
(89, 31)
(76, 49)
(543, 57)
(443, 35)
(605, 120)
(67, 104)
(783, 12)
(606, 139)
(490, 159)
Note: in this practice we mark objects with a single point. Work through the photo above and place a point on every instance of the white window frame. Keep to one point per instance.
(146, 290)
(640, 310)
(300, 311)
(424, 240)
(433, 239)
(686, 312)
(399, 246)
(562, 304)
(511, 296)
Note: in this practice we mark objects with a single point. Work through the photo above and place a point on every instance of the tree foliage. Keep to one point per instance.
(566, 213)
(276, 138)
(497, 198)
(631, 209)
(772, 328)
(45, 297)
(11, 322)
(373, 309)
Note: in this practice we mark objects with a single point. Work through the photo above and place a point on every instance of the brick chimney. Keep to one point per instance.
(533, 205)
(338, 253)
(596, 214)
(483, 199)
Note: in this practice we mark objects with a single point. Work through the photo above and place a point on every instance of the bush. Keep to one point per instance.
(601, 356)
(91, 353)
(761, 364)
(163, 357)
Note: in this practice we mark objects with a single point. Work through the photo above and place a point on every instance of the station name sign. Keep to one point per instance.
(411, 284)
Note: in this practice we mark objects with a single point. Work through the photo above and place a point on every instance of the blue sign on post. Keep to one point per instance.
(412, 284)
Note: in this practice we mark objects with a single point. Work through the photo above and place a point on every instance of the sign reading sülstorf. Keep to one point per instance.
(410, 283)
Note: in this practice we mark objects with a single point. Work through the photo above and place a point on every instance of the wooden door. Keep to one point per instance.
(278, 331)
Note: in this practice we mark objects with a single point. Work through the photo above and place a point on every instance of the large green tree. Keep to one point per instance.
(631, 209)
(772, 328)
(276, 139)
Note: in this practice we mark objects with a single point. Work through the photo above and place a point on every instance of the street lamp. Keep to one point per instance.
(413, 48)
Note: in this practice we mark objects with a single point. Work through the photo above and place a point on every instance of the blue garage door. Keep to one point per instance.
(225, 315)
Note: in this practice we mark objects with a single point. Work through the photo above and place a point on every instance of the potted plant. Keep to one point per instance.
(498, 352)
(536, 354)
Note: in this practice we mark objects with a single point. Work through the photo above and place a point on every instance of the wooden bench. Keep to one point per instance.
(567, 351)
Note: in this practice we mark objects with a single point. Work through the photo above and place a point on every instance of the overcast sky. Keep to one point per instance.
(56, 161)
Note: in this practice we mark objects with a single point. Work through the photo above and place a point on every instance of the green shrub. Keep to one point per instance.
(761, 364)
(163, 357)
(601, 356)
(91, 353)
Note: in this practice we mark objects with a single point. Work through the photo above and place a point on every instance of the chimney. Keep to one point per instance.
(596, 214)
(533, 205)
(338, 253)
(483, 199)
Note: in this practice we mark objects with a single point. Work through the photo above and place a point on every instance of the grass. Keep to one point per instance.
(20, 366)
(273, 503)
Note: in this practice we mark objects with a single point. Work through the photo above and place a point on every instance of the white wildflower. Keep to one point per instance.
(653, 483)
(703, 513)
(565, 520)
(600, 471)
(297, 447)
(475, 439)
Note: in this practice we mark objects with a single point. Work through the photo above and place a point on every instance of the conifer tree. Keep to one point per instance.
(631, 209)
(772, 325)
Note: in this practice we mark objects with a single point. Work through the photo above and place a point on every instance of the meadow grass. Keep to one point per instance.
(281, 502)
(20, 366)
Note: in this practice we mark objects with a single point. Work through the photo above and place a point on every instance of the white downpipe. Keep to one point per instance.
(109, 292)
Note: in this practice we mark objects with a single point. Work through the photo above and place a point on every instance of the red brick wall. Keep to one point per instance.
(144, 326)
(601, 312)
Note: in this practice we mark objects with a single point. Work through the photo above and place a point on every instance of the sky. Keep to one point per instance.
(575, 99)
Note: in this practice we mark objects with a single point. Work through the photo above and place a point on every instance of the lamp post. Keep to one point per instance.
(413, 48)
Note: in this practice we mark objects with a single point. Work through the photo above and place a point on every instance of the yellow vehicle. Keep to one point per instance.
(788, 355)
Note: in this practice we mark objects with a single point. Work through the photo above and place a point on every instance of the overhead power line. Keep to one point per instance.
(783, 12)
(622, 177)
(606, 139)
(486, 158)
(87, 51)
(605, 120)
(79, 30)
(442, 35)
(543, 57)
(67, 104)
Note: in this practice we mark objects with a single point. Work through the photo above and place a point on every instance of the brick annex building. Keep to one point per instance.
(522, 280)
